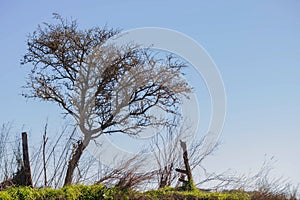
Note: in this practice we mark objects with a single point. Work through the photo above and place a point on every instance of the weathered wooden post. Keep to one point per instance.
(23, 176)
(26, 179)
(187, 171)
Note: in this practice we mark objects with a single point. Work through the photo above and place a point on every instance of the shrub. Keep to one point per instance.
(194, 194)
(5, 196)
(100, 192)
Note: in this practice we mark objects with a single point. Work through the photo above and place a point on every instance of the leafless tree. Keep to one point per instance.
(105, 88)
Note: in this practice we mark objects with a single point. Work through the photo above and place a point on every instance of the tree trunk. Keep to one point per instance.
(73, 162)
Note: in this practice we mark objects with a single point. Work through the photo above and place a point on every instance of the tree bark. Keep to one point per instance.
(73, 162)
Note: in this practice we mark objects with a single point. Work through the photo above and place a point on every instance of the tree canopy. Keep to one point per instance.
(106, 88)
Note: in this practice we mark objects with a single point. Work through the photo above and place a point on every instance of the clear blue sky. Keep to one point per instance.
(255, 44)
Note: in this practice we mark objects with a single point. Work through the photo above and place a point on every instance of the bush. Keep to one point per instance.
(73, 192)
(170, 193)
(100, 192)
(5, 196)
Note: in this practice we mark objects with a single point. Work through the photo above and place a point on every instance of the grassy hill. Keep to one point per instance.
(98, 192)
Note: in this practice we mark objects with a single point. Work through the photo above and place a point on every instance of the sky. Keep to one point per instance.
(255, 45)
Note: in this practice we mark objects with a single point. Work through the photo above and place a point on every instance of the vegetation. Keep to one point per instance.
(98, 192)
(105, 88)
(124, 183)
(101, 192)
(108, 90)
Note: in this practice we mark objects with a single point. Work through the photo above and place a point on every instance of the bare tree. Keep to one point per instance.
(105, 88)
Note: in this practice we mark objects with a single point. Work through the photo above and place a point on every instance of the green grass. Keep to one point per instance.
(170, 193)
(98, 192)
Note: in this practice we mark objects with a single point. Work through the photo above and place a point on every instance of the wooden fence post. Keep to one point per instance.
(187, 171)
(27, 180)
